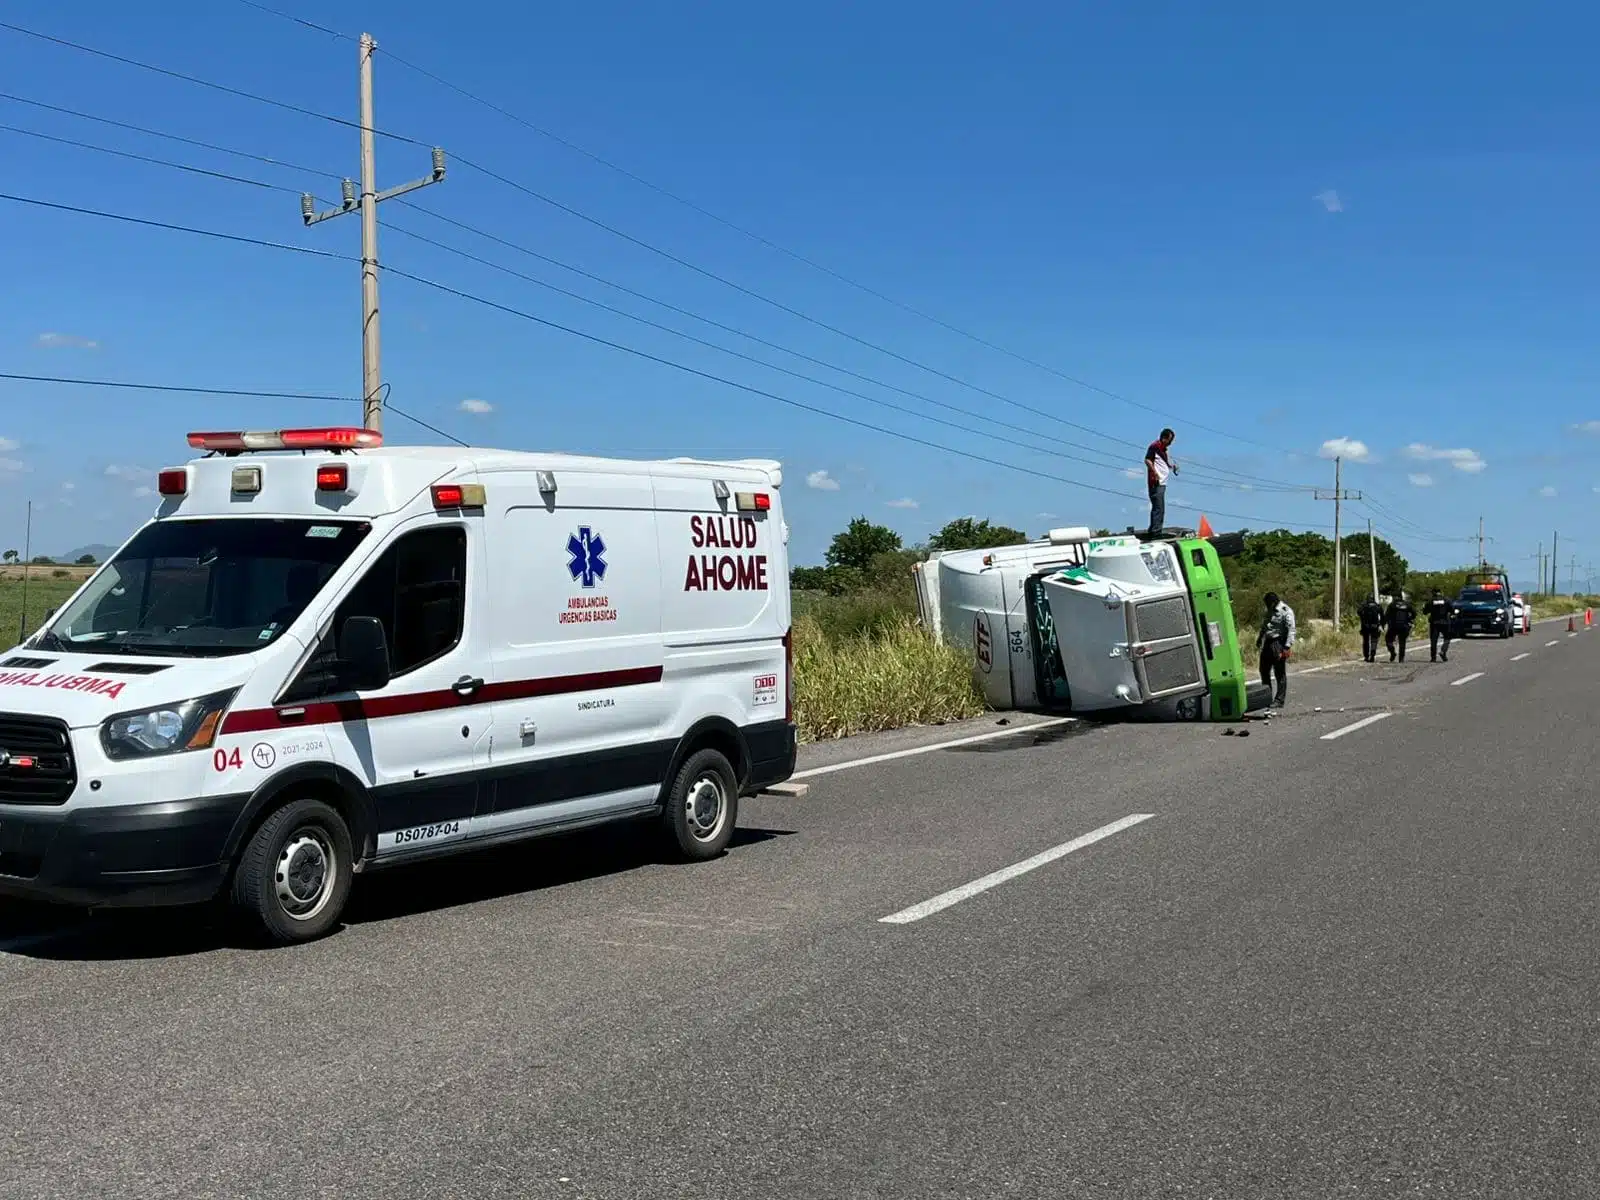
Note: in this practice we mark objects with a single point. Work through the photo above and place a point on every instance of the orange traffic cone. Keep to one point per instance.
(1588, 617)
(1205, 526)
(1571, 628)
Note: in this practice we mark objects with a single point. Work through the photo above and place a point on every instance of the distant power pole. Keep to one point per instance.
(367, 204)
(1372, 553)
(27, 569)
(1338, 495)
(1555, 546)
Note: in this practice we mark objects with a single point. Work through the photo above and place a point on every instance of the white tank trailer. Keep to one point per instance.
(1074, 623)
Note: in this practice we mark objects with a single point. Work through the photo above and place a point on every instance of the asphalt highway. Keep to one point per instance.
(1354, 954)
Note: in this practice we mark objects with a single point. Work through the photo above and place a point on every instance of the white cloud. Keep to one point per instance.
(1587, 427)
(1133, 473)
(1461, 459)
(12, 466)
(821, 481)
(68, 486)
(66, 341)
(906, 503)
(1247, 487)
(1342, 447)
(126, 474)
(1547, 492)
(477, 408)
(1421, 480)
(1330, 200)
(144, 491)
(9, 444)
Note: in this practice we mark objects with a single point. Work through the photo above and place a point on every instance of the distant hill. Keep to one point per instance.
(99, 550)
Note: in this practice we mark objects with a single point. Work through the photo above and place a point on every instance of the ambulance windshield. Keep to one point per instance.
(204, 588)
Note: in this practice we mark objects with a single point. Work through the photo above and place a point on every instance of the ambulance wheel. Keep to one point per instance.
(295, 875)
(702, 807)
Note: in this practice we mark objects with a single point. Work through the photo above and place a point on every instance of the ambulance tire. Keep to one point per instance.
(702, 807)
(294, 876)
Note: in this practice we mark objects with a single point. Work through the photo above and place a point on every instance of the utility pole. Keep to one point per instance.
(27, 569)
(1540, 557)
(1555, 543)
(1372, 550)
(1480, 544)
(1572, 575)
(1338, 495)
(366, 202)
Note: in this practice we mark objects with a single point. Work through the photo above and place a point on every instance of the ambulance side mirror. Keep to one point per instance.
(363, 654)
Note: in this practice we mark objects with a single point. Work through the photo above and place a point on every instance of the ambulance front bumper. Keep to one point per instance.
(171, 852)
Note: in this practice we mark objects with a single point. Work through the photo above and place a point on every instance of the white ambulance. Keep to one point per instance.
(324, 656)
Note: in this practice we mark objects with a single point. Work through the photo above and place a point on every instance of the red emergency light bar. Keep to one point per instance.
(342, 437)
(335, 477)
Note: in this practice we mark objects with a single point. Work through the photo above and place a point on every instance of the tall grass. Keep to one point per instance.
(893, 676)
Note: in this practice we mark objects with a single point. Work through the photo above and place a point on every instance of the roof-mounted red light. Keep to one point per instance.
(343, 437)
(173, 482)
(333, 477)
(459, 495)
(753, 502)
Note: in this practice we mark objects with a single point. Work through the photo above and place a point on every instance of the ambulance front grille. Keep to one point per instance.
(1169, 670)
(1160, 619)
(36, 765)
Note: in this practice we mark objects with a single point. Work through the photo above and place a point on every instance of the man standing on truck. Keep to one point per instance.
(1398, 620)
(1158, 466)
(1439, 618)
(1276, 641)
(1371, 614)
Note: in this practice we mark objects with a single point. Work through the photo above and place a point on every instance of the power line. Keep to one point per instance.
(980, 418)
(186, 389)
(760, 239)
(614, 231)
(175, 228)
(595, 338)
(1263, 484)
(171, 137)
(146, 158)
(755, 391)
(196, 80)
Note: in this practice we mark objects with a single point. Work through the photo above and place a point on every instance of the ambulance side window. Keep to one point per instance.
(417, 588)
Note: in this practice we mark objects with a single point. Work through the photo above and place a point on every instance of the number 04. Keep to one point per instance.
(224, 760)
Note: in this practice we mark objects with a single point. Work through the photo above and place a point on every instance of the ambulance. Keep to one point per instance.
(325, 656)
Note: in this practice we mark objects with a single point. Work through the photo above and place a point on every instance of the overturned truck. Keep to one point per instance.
(1076, 623)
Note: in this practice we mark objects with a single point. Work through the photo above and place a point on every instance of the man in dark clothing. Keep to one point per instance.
(1276, 640)
(1440, 614)
(1398, 620)
(1371, 614)
(1157, 467)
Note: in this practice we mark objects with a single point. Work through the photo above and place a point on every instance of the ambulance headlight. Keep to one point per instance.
(191, 725)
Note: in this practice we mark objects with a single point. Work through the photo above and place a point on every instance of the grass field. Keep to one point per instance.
(46, 590)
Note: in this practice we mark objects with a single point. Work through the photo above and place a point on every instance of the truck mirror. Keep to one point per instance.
(364, 654)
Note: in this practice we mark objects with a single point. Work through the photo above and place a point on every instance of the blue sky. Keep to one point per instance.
(1354, 223)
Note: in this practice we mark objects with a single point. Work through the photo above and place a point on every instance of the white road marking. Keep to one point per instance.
(1355, 725)
(1466, 679)
(1520, 657)
(1557, 642)
(915, 750)
(1573, 634)
(968, 890)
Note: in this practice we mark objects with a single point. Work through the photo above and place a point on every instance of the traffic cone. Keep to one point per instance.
(1588, 617)
(1571, 628)
(1205, 526)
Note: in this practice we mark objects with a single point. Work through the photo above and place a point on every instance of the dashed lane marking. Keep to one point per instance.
(1520, 657)
(1557, 642)
(1355, 725)
(1466, 679)
(968, 890)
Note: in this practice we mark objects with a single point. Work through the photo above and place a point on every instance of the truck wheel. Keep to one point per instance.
(295, 875)
(702, 807)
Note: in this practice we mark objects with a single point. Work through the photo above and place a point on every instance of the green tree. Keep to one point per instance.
(969, 533)
(86, 560)
(11, 556)
(859, 543)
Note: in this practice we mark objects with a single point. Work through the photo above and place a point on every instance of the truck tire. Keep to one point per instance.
(702, 807)
(295, 874)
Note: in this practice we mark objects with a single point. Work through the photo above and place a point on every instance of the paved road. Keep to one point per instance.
(1363, 966)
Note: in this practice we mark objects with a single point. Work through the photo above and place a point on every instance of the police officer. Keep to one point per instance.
(1371, 614)
(1440, 613)
(1398, 620)
(1276, 641)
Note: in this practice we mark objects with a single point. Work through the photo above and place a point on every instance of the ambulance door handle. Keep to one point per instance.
(466, 685)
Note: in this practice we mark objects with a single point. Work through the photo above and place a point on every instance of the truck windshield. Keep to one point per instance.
(1482, 596)
(204, 588)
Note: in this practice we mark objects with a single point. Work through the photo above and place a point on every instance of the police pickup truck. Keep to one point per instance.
(1484, 606)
